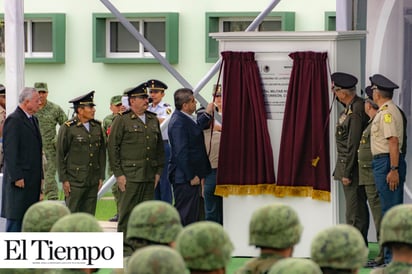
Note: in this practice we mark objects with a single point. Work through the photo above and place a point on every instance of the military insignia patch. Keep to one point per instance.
(387, 118)
(168, 110)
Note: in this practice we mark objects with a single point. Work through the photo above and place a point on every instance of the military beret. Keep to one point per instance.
(41, 86)
(156, 85)
(84, 100)
(382, 83)
(138, 91)
(369, 92)
(116, 100)
(344, 80)
(2, 90)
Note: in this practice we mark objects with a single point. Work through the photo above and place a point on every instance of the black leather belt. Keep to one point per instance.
(380, 155)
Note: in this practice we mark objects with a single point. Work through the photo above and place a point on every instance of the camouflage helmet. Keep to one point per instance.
(397, 225)
(41, 216)
(339, 247)
(156, 259)
(156, 221)
(204, 246)
(295, 266)
(276, 226)
(77, 222)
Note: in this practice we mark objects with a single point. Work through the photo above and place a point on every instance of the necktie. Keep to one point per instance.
(32, 121)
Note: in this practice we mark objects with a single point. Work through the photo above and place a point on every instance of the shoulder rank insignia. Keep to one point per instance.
(124, 112)
(387, 118)
(168, 111)
(166, 105)
(70, 123)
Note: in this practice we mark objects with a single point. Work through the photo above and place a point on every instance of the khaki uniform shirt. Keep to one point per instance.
(388, 123)
(136, 148)
(212, 142)
(81, 154)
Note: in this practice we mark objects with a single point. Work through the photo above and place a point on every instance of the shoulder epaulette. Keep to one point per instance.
(70, 123)
(166, 105)
(97, 121)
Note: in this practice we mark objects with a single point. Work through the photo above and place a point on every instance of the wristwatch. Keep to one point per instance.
(394, 167)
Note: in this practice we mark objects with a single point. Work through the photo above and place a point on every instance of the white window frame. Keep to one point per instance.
(141, 53)
(246, 18)
(29, 53)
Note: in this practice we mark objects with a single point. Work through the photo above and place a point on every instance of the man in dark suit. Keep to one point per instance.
(23, 173)
(189, 163)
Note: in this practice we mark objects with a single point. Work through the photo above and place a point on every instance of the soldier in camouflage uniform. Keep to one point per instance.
(339, 249)
(116, 107)
(205, 247)
(295, 266)
(396, 234)
(156, 260)
(49, 115)
(275, 229)
(136, 155)
(151, 223)
(41, 216)
(81, 156)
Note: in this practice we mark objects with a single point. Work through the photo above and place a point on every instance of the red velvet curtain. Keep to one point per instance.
(245, 158)
(304, 167)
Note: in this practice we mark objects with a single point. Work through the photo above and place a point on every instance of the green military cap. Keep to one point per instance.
(275, 226)
(41, 216)
(339, 247)
(344, 80)
(396, 226)
(204, 246)
(138, 91)
(116, 100)
(295, 266)
(156, 259)
(41, 86)
(83, 100)
(381, 82)
(156, 221)
(77, 222)
(156, 85)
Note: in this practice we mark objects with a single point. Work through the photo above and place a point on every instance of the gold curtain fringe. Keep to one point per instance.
(226, 190)
(302, 191)
(278, 191)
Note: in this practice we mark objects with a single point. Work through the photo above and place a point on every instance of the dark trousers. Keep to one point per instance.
(213, 203)
(381, 167)
(357, 212)
(187, 199)
(83, 198)
(163, 191)
(13, 225)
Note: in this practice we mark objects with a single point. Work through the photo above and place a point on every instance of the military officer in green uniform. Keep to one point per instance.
(49, 115)
(81, 156)
(366, 173)
(136, 155)
(352, 122)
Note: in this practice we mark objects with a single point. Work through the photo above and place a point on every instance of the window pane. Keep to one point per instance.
(155, 33)
(270, 26)
(229, 26)
(121, 40)
(42, 37)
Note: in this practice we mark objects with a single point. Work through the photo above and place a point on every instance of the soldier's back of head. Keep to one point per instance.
(41, 216)
(295, 266)
(340, 248)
